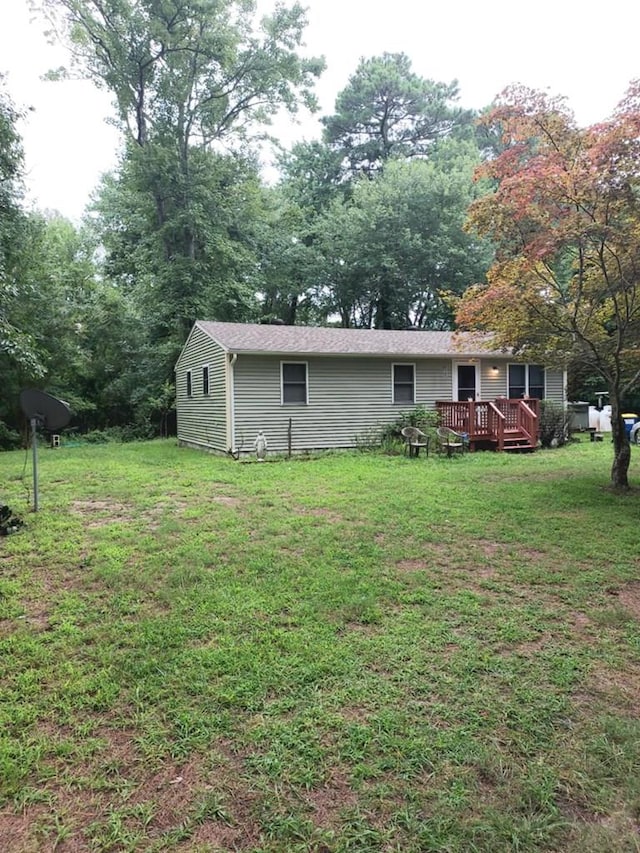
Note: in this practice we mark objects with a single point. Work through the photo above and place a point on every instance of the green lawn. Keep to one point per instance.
(349, 653)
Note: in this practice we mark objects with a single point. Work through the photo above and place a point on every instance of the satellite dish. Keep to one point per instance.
(44, 411)
(49, 412)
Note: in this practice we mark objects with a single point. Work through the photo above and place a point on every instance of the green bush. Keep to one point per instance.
(9, 438)
(128, 432)
(554, 424)
(95, 436)
(425, 419)
(389, 438)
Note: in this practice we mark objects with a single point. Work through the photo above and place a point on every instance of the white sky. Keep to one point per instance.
(568, 47)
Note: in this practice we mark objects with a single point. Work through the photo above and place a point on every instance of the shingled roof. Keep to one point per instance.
(319, 340)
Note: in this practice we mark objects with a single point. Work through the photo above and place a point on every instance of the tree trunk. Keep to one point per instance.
(621, 446)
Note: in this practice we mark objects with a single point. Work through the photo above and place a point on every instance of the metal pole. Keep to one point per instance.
(34, 442)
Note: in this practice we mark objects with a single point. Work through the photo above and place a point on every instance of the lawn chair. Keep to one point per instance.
(414, 439)
(450, 441)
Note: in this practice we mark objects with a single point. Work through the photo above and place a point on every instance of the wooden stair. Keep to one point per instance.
(516, 440)
(501, 424)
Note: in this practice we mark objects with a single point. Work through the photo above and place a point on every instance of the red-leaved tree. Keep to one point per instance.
(563, 211)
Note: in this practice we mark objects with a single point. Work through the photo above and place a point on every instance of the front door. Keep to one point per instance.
(466, 377)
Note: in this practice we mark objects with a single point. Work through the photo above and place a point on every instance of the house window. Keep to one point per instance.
(526, 380)
(189, 388)
(205, 379)
(294, 381)
(404, 383)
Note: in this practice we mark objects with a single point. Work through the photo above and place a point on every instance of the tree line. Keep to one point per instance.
(408, 212)
(364, 227)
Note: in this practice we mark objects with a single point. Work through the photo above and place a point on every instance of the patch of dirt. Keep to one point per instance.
(412, 566)
(174, 791)
(629, 598)
(226, 500)
(618, 688)
(580, 621)
(529, 648)
(327, 803)
(36, 617)
(488, 548)
(16, 831)
(102, 512)
(321, 512)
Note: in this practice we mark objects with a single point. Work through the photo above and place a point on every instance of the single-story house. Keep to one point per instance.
(309, 388)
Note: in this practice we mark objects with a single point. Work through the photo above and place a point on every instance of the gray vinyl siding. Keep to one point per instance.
(555, 385)
(434, 381)
(493, 383)
(348, 397)
(202, 419)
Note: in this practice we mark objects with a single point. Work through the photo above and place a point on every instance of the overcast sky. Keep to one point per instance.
(567, 47)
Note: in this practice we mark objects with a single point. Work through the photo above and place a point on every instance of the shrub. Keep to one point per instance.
(425, 419)
(9, 438)
(554, 424)
(369, 439)
(129, 432)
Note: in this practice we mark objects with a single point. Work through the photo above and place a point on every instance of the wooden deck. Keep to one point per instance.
(500, 424)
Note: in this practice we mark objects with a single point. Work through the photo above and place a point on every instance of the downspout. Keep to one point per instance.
(232, 405)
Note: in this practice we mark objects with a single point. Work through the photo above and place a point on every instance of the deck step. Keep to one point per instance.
(514, 440)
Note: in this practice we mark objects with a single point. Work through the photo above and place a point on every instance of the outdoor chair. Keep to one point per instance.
(414, 439)
(450, 441)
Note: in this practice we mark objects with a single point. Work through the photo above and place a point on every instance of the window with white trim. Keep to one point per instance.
(205, 379)
(189, 384)
(294, 385)
(404, 383)
(526, 380)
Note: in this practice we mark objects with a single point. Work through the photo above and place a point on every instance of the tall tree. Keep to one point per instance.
(187, 76)
(195, 70)
(194, 257)
(565, 218)
(16, 346)
(289, 262)
(386, 110)
(398, 244)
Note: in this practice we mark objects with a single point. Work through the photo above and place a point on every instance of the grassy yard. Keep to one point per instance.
(350, 653)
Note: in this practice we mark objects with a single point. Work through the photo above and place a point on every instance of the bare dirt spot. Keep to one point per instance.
(327, 803)
(616, 687)
(16, 834)
(411, 566)
(489, 548)
(322, 512)
(175, 792)
(101, 513)
(36, 617)
(226, 500)
(579, 621)
(629, 598)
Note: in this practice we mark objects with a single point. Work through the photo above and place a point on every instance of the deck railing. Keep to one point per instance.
(522, 415)
(485, 420)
